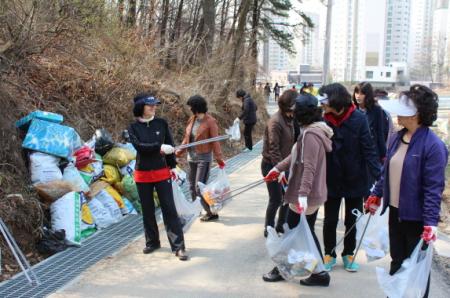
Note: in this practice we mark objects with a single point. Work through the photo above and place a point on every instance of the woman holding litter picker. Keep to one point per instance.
(307, 180)
(352, 167)
(153, 142)
(413, 178)
(201, 126)
(279, 137)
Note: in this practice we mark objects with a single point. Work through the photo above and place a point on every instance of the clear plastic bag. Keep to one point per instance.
(295, 253)
(187, 211)
(410, 281)
(376, 239)
(217, 192)
(234, 131)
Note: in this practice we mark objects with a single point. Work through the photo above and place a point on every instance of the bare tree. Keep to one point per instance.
(131, 15)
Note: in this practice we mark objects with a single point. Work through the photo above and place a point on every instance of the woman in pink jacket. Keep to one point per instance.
(307, 180)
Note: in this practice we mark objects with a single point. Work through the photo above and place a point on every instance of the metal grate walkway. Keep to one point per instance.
(60, 269)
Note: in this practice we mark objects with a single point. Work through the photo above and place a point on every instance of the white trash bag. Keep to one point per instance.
(187, 211)
(376, 239)
(295, 253)
(234, 131)
(410, 281)
(217, 192)
(108, 201)
(66, 215)
(44, 168)
(101, 214)
(72, 175)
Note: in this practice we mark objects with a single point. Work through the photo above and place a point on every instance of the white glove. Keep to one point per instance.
(167, 149)
(303, 201)
(301, 205)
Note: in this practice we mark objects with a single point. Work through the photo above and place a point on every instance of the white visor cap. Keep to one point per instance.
(403, 106)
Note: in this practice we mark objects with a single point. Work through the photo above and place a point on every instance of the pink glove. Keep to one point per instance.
(372, 204)
(221, 164)
(429, 234)
(272, 175)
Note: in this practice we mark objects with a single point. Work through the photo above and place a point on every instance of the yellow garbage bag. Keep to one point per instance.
(116, 196)
(119, 157)
(111, 174)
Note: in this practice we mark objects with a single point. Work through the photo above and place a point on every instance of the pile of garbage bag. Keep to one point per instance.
(87, 186)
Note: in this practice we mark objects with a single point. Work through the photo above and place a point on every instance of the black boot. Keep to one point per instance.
(273, 276)
(321, 279)
(151, 248)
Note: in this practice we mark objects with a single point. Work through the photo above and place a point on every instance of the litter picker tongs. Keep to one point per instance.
(358, 215)
(202, 142)
(237, 191)
(18, 254)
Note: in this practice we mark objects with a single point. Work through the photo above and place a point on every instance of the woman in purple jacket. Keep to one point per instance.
(414, 175)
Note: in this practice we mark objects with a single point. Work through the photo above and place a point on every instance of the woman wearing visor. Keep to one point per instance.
(155, 160)
(414, 175)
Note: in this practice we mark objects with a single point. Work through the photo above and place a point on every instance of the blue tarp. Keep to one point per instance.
(52, 138)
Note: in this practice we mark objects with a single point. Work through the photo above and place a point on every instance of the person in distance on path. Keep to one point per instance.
(155, 160)
(248, 116)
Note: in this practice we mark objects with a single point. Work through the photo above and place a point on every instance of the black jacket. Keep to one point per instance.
(147, 138)
(352, 159)
(248, 115)
(376, 119)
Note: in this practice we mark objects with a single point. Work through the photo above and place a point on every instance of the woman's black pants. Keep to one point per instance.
(403, 239)
(171, 221)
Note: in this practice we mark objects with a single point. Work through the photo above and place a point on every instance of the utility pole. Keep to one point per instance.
(326, 54)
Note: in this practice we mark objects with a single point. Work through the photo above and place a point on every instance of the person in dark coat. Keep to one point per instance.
(413, 177)
(248, 116)
(276, 91)
(363, 98)
(279, 137)
(349, 166)
(155, 159)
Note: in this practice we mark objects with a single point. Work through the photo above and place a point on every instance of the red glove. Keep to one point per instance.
(173, 174)
(272, 175)
(372, 204)
(221, 164)
(429, 234)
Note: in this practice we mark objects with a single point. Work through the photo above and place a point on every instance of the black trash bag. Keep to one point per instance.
(103, 141)
(52, 242)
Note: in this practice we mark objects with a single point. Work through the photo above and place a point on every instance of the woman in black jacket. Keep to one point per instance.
(154, 163)
(349, 165)
(364, 99)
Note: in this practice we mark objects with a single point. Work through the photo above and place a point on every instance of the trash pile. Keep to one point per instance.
(87, 186)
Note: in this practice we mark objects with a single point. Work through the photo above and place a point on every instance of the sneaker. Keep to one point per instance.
(273, 276)
(348, 263)
(321, 279)
(329, 262)
(245, 150)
